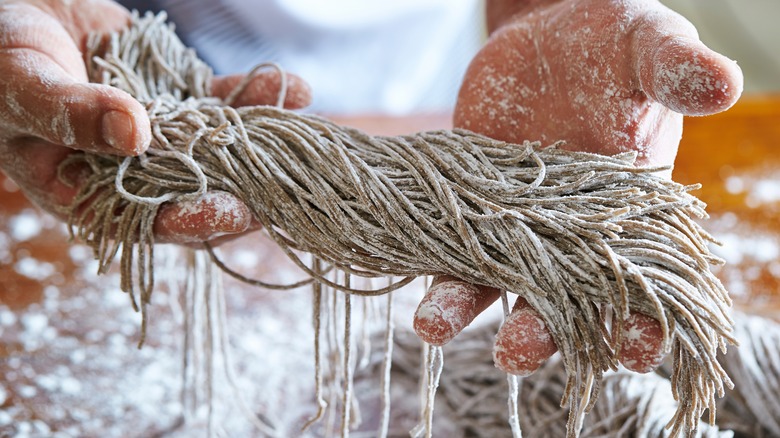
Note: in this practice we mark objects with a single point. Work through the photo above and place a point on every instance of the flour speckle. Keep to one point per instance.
(25, 225)
(7, 317)
(35, 323)
(34, 269)
(27, 391)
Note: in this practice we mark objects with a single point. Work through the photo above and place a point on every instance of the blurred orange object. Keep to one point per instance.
(736, 157)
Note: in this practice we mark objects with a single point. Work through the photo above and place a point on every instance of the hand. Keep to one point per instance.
(606, 76)
(49, 110)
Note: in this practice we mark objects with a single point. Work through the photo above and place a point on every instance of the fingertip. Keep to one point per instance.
(523, 343)
(449, 306)
(431, 325)
(641, 348)
(689, 78)
(299, 94)
(105, 119)
(264, 89)
(125, 125)
(210, 216)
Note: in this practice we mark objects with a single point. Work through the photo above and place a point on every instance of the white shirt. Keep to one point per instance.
(359, 56)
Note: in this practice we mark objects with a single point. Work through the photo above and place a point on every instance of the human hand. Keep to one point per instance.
(49, 110)
(605, 76)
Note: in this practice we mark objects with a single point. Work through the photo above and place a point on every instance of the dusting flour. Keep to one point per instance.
(761, 190)
(25, 225)
(71, 367)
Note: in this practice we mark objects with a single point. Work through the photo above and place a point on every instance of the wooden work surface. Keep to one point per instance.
(64, 331)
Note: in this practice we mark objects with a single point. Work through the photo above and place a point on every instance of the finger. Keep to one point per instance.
(449, 306)
(23, 26)
(264, 89)
(45, 101)
(84, 17)
(29, 21)
(33, 164)
(523, 342)
(223, 239)
(208, 217)
(641, 348)
(677, 70)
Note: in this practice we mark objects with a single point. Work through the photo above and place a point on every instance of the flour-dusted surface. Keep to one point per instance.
(70, 366)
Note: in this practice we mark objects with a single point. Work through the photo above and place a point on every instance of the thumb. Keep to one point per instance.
(44, 101)
(677, 70)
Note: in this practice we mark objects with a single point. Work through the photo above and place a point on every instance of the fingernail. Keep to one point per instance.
(118, 130)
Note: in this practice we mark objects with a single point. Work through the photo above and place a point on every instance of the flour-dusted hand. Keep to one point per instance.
(606, 76)
(49, 110)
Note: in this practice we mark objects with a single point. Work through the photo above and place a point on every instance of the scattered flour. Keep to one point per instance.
(74, 369)
(25, 225)
(764, 192)
(759, 190)
(738, 247)
(34, 269)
